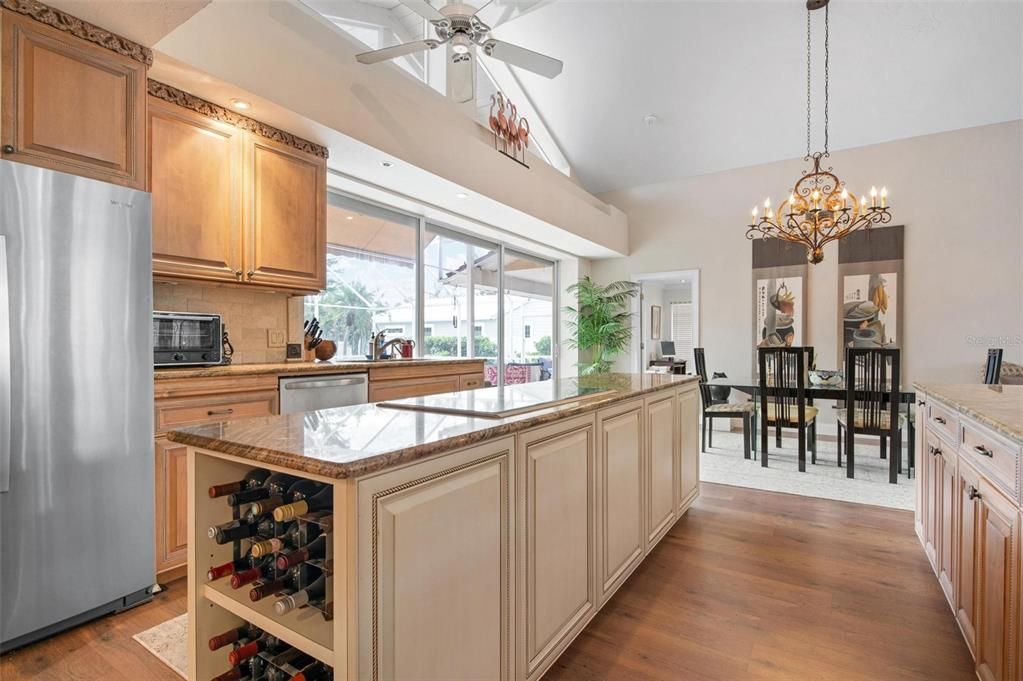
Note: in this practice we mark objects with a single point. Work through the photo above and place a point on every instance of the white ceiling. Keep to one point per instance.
(727, 80)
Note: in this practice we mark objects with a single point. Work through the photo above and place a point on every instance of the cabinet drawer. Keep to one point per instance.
(381, 391)
(470, 382)
(193, 411)
(992, 456)
(944, 421)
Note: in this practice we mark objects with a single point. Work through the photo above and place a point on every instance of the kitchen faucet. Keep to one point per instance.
(378, 347)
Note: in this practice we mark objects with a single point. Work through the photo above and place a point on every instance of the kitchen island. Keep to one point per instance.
(463, 546)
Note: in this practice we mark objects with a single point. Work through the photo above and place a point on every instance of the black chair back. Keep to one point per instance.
(993, 372)
(872, 391)
(701, 371)
(783, 374)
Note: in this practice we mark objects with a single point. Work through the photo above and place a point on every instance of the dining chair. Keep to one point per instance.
(872, 403)
(722, 409)
(993, 371)
(783, 400)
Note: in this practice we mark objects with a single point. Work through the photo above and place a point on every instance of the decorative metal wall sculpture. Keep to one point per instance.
(511, 133)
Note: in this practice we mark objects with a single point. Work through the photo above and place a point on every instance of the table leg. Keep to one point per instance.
(895, 459)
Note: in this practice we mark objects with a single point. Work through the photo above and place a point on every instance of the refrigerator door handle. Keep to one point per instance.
(5, 372)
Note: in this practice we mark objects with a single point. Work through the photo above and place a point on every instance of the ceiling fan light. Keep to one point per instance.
(460, 44)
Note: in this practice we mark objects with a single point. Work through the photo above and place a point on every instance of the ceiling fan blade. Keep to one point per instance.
(386, 53)
(461, 77)
(549, 67)
(427, 11)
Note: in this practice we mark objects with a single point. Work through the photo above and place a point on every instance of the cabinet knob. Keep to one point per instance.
(920, 403)
(935, 450)
(251, 273)
(8, 148)
(939, 419)
(984, 451)
(238, 274)
(972, 491)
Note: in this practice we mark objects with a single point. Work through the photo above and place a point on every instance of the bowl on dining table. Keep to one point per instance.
(826, 377)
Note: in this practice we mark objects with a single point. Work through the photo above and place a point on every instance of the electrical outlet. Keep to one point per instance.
(275, 338)
(294, 351)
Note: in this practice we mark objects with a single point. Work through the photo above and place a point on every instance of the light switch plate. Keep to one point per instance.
(275, 338)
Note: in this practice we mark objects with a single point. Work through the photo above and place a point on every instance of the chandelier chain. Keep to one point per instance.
(827, 59)
(809, 150)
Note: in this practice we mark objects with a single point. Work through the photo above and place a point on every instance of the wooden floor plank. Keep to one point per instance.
(749, 585)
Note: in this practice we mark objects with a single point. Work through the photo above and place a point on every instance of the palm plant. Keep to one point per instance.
(601, 321)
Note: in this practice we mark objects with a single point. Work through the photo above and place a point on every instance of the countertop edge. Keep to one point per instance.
(379, 462)
(933, 390)
(295, 368)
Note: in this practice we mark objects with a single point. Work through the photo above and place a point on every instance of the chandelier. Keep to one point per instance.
(820, 208)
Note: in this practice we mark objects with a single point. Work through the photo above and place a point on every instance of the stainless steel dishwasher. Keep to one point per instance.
(309, 393)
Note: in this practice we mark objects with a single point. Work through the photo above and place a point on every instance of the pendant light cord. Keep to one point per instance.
(827, 59)
(808, 149)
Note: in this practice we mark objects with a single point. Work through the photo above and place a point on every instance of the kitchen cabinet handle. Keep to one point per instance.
(238, 274)
(935, 450)
(920, 403)
(219, 412)
(5, 373)
(8, 148)
(939, 419)
(972, 491)
(251, 273)
(984, 451)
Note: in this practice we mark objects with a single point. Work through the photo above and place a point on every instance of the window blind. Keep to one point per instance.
(683, 330)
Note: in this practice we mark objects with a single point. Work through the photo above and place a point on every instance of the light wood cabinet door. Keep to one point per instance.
(996, 583)
(436, 564)
(620, 482)
(195, 179)
(69, 105)
(688, 448)
(556, 518)
(920, 421)
(286, 216)
(660, 466)
(930, 483)
(968, 550)
(946, 497)
(382, 391)
(171, 504)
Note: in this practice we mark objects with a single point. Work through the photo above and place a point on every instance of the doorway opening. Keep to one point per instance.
(666, 318)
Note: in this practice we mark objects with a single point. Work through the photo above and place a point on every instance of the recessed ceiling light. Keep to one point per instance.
(349, 217)
(461, 195)
(650, 119)
(386, 164)
(241, 104)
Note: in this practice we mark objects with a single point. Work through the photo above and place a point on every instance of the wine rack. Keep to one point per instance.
(214, 606)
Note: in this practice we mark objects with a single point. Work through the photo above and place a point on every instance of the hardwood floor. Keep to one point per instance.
(749, 585)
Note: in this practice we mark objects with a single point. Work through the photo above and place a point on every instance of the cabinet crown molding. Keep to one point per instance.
(169, 93)
(80, 29)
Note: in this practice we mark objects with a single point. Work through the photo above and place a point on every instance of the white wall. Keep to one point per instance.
(960, 196)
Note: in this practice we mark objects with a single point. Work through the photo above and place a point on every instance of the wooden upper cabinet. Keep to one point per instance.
(195, 176)
(71, 105)
(286, 227)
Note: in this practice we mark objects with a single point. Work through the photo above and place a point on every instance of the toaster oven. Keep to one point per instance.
(187, 338)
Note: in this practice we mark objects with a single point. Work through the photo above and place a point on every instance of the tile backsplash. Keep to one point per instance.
(249, 315)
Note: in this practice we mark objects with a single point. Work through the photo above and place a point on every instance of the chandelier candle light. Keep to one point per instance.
(819, 209)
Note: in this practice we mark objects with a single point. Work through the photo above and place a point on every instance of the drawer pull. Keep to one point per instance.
(920, 403)
(940, 419)
(972, 491)
(219, 412)
(935, 450)
(984, 451)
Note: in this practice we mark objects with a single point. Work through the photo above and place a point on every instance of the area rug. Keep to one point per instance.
(724, 464)
(168, 641)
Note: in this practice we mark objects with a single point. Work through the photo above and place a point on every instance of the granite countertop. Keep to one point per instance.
(998, 406)
(353, 441)
(333, 367)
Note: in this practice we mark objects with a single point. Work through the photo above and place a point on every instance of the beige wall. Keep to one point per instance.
(959, 195)
(248, 314)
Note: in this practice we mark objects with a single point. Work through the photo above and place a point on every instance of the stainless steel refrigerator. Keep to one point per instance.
(76, 401)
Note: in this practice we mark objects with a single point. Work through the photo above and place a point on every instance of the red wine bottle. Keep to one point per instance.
(252, 480)
(314, 593)
(218, 571)
(252, 648)
(299, 534)
(280, 667)
(317, 671)
(290, 582)
(275, 484)
(322, 501)
(298, 490)
(241, 529)
(312, 551)
(245, 632)
(263, 570)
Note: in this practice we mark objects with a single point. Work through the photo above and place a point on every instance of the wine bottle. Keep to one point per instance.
(253, 479)
(312, 551)
(280, 667)
(322, 501)
(298, 534)
(229, 568)
(290, 581)
(297, 490)
(253, 648)
(241, 529)
(313, 593)
(275, 484)
(244, 632)
(263, 570)
(233, 674)
(317, 671)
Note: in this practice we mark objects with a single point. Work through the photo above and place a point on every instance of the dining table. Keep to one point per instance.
(836, 390)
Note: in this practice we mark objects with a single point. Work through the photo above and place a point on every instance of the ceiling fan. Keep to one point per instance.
(459, 27)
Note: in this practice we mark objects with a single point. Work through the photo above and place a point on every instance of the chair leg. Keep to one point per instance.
(801, 439)
(839, 445)
(710, 433)
(850, 453)
(777, 435)
(703, 434)
(753, 433)
(884, 447)
(813, 442)
(763, 442)
(746, 436)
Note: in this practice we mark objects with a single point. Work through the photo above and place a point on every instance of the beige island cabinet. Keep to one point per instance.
(465, 545)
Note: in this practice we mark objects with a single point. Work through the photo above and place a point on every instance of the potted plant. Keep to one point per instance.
(601, 321)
